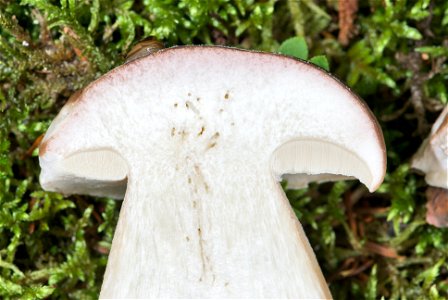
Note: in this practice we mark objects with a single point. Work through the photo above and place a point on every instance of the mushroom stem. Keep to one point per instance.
(188, 233)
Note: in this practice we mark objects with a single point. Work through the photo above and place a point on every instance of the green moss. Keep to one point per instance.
(369, 245)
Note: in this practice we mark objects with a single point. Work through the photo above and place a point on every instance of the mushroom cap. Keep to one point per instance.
(303, 121)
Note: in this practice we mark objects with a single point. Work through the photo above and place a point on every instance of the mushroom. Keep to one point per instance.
(196, 139)
(432, 157)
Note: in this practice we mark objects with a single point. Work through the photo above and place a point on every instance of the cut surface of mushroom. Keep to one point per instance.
(202, 135)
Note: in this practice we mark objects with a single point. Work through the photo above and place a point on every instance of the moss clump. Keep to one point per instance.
(369, 245)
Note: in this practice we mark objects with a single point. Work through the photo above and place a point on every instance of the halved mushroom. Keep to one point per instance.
(203, 135)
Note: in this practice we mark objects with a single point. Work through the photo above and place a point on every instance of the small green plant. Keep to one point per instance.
(298, 48)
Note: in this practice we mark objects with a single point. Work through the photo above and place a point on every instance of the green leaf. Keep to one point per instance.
(4, 264)
(430, 274)
(445, 17)
(385, 79)
(382, 42)
(55, 278)
(353, 77)
(44, 291)
(434, 51)
(321, 61)
(434, 293)
(94, 14)
(419, 11)
(401, 29)
(127, 30)
(72, 7)
(441, 91)
(241, 28)
(9, 287)
(371, 290)
(295, 47)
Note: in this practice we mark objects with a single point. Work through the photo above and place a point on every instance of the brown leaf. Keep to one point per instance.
(437, 207)
(347, 14)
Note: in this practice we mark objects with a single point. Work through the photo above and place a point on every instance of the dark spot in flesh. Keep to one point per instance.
(226, 96)
(175, 104)
(202, 131)
(213, 140)
(183, 134)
